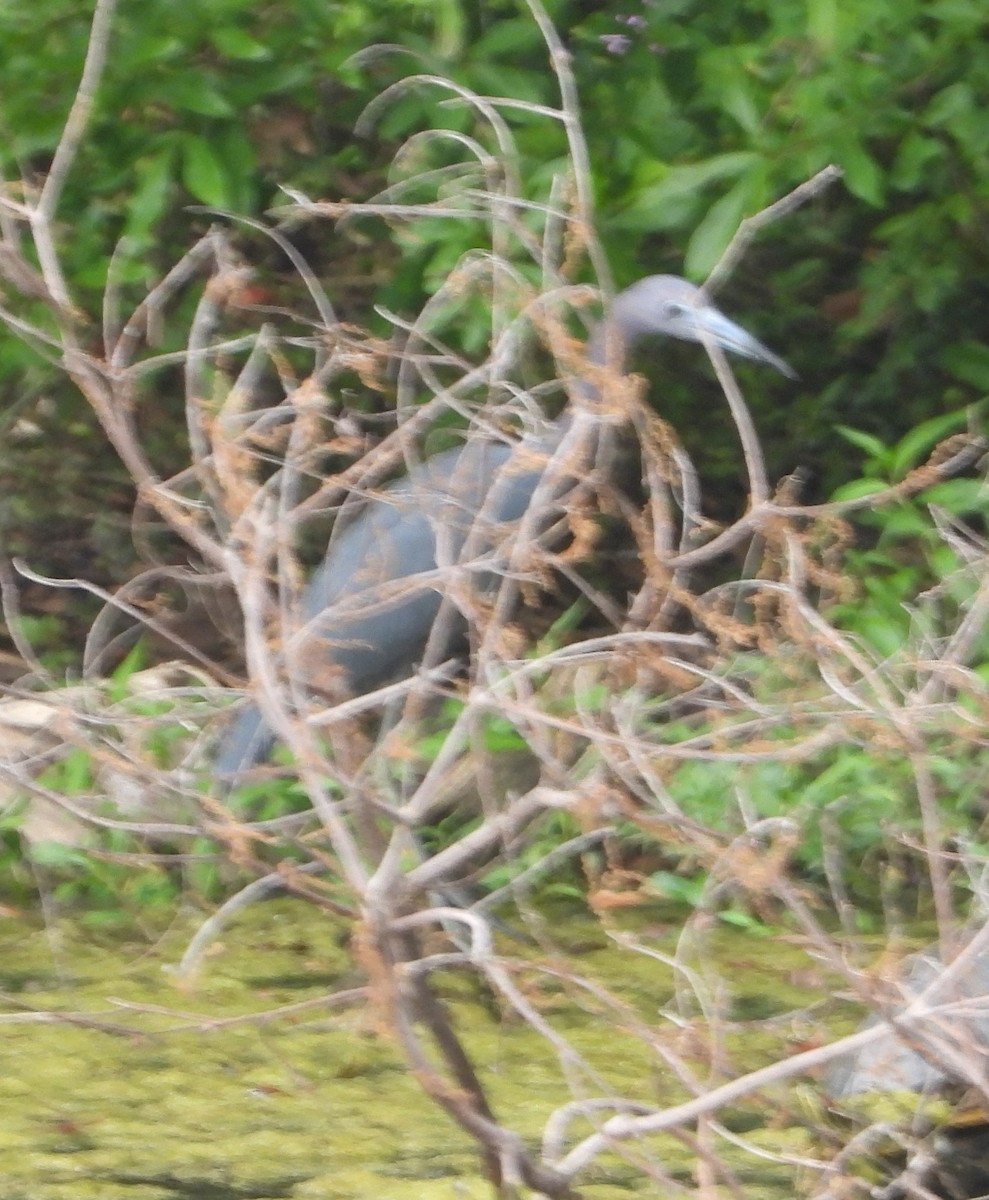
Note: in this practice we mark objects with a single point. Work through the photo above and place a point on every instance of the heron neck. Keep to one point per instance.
(610, 344)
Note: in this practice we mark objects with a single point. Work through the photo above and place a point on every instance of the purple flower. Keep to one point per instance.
(616, 43)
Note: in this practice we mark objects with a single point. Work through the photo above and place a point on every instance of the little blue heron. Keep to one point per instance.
(371, 605)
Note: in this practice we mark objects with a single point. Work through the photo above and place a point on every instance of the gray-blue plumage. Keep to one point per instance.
(371, 604)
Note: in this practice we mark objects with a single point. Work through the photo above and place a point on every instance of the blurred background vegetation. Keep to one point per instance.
(695, 116)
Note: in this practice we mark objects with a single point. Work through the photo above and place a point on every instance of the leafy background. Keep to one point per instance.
(696, 115)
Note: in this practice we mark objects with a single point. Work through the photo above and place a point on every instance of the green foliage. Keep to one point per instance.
(71, 775)
(115, 874)
(695, 117)
(566, 883)
(47, 637)
(886, 465)
(712, 113)
(905, 572)
(106, 894)
(71, 876)
(136, 659)
(271, 799)
(496, 733)
(693, 892)
(855, 803)
(914, 587)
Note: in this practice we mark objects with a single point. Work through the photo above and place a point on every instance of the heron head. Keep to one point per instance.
(666, 304)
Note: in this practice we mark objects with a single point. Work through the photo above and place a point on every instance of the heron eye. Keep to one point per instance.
(673, 311)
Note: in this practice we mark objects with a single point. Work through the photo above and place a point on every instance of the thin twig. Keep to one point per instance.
(43, 215)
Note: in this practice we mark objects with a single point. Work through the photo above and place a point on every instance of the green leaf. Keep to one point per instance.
(904, 520)
(865, 441)
(58, 855)
(199, 93)
(968, 362)
(955, 100)
(862, 173)
(958, 496)
(859, 488)
(153, 193)
(742, 920)
(235, 43)
(822, 23)
(449, 28)
(154, 48)
(829, 784)
(70, 775)
(738, 101)
(911, 450)
(688, 180)
(202, 174)
(136, 659)
(689, 890)
(508, 36)
(884, 635)
(914, 159)
(730, 76)
(645, 216)
(713, 234)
